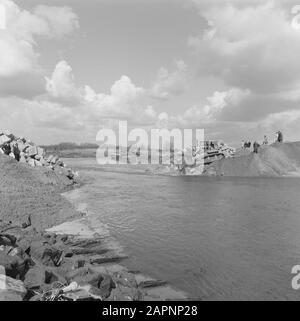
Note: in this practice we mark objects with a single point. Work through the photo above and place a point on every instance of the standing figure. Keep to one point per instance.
(255, 147)
(279, 136)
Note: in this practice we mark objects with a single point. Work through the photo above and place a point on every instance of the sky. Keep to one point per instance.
(69, 68)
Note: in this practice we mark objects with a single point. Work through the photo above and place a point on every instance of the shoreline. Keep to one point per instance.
(43, 260)
(158, 290)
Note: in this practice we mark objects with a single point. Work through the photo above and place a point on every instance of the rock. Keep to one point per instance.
(38, 163)
(51, 276)
(11, 289)
(32, 151)
(79, 263)
(49, 159)
(22, 158)
(39, 277)
(152, 284)
(81, 275)
(24, 244)
(83, 294)
(9, 134)
(35, 278)
(14, 265)
(44, 250)
(31, 162)
(101, 260)
(62, 238)
(40, 152)
(22, 147)
(126, 279)
(54, 160)
(52, 256)
(105, 285)
(7, 240)
(81, 251)
(4, 140)
(122, 293)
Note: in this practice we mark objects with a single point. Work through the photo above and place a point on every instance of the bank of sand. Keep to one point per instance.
(59, 247)
(275, 160)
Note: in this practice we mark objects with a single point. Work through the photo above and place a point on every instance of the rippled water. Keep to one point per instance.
(217, 239)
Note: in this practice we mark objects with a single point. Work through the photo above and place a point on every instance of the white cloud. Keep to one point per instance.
(125, 100)
(61, 85)
(78, 110)
(168, 84)
(60, 21)
(252, 47)
(18, 40)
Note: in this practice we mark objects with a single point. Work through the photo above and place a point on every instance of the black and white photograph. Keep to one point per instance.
(149, 152)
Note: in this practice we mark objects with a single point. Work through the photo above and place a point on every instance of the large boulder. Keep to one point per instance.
(14, 266)
(38, 277)
(40, 151)
(4, 140)
(32, 151)
(11, 289)
(35, 278)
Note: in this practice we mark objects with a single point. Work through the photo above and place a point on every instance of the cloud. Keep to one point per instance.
(125, 100)
(18, 45)
(252, 47)
(67, 109)
(59, 21)
(61, 85)
(168, 84)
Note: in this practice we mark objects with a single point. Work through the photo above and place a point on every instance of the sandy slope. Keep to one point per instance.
(35, 191)
(278, 159)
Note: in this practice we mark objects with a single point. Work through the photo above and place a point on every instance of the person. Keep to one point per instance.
(279, 136)
(243, 144)
(6, 148)
(15, 150)
(265, 140)
(255, 147)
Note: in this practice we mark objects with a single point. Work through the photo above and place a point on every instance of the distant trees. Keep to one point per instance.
(70, 146)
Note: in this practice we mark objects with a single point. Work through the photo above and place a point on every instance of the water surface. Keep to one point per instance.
(215, 238)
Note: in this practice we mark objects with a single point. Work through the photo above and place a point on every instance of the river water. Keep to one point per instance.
(214, 238)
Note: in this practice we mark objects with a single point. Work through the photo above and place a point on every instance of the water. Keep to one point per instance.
(216, 239)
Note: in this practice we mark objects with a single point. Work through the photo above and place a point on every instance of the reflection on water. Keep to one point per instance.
(227, 238)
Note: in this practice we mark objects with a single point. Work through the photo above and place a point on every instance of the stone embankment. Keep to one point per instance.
(25, 151)
(43, 266)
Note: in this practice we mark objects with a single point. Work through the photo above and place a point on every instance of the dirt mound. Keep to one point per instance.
(30, 191)
(278, 159)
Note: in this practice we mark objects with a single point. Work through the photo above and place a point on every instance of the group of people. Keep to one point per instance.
(256, 145)
(246, 144)
(210, 145)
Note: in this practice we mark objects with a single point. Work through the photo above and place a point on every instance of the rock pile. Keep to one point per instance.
(25, 151)
(43, 266)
